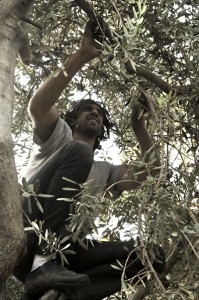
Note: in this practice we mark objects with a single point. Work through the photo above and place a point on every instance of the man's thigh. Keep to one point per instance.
(100, 253)
(109, 253)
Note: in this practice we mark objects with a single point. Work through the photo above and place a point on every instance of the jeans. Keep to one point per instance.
(74, 161)
(97, 263)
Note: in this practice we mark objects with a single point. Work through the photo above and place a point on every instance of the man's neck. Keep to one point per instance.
(86, 139)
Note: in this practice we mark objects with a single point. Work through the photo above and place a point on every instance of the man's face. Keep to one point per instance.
(90, 120)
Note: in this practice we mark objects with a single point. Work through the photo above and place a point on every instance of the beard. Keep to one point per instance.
(88, 129)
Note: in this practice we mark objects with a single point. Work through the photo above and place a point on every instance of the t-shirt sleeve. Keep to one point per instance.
(114, 179)
(61, 135)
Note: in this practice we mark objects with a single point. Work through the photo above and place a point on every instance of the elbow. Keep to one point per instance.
(33, 110)
(30, 108)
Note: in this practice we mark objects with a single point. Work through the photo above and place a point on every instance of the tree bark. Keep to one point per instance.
(11, 221)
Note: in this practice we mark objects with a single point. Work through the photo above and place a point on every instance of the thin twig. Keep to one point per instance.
(193, 249)
(143, 246)
(32, 23)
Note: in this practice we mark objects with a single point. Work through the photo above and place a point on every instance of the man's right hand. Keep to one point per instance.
(92, 40)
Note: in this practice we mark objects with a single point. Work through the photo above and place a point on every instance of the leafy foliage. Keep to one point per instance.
(159, 41)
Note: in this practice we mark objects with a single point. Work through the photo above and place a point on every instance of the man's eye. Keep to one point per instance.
(90, 109)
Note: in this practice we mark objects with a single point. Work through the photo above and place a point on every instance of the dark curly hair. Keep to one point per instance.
(73, 114)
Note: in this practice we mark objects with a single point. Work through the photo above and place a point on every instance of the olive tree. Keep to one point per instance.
(150, 56)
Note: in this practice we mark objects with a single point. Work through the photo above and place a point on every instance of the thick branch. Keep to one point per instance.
(142, 72)
(86, 7)
(139, 71)
(32, 23)
(155, 79)
(24, 44)
(104, 29)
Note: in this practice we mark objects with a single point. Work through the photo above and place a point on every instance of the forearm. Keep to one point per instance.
(128, 179)
(49, 92)
(146, 144)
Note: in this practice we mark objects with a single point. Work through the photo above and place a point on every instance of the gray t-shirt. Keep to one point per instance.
(102, 174)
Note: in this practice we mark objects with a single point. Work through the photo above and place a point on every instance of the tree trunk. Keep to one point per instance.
(11, 221)
(2, 290)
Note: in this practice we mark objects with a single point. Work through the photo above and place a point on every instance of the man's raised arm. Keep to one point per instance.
(41, 107)
(147, 147)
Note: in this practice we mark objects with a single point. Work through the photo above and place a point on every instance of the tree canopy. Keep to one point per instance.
(152, 53)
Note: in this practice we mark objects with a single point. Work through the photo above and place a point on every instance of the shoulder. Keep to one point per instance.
(111, 169)
(61, 131)
(42, 151)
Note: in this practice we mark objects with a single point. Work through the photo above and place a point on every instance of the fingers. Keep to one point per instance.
(51, 295)
(93, 31)
(98, 30)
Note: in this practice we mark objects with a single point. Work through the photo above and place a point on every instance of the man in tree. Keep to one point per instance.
(64, 149)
